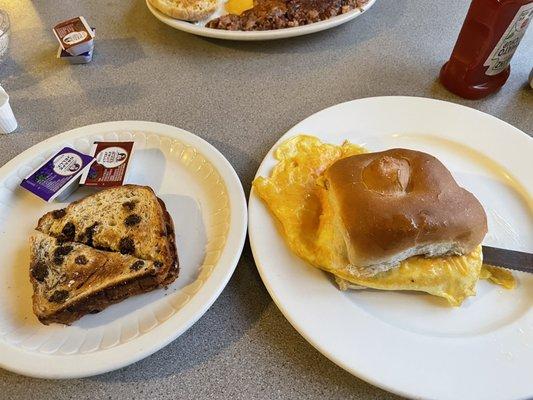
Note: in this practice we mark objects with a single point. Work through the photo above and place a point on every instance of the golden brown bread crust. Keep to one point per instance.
(394, 204)
(174, 269)
(99, 301)
(187, 10)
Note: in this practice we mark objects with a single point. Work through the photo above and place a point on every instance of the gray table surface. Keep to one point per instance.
(240, 97)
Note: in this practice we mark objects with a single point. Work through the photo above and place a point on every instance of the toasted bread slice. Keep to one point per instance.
(129, 219)
(71, 279)
(187, 10)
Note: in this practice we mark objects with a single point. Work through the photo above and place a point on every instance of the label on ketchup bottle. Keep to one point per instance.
(501, 56)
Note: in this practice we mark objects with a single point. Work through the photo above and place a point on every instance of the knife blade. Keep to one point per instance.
(511, 259)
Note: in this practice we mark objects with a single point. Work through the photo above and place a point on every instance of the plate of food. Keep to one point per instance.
(367, 221)
(256, 19)
(99, 276)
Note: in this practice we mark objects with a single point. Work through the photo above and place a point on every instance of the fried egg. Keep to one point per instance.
(237, 7)
(224, 7)
(295, 196)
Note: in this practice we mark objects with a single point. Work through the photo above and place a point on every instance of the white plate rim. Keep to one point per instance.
(90, 364)
(254, 202)
(259, 35)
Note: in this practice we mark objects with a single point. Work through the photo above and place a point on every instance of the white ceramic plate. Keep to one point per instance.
(411, 343)
(205, 198)
(200, 30)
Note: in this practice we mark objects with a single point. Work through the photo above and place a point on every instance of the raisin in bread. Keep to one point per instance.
(129, 219)
(71, 279)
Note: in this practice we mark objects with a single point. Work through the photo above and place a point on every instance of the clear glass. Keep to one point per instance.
(4, 33)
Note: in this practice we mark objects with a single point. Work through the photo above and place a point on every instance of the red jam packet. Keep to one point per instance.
(75, 36)
(111, 165)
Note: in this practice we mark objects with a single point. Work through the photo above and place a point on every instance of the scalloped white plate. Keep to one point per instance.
(200, 30)
(411, 343)
(206, 200)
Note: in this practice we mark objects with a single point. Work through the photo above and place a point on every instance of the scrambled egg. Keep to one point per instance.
(499, 276)
(295, 195)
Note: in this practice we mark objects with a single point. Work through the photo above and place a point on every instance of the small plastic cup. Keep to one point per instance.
(8, 123)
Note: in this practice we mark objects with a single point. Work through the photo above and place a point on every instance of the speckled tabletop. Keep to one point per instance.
(240, 97)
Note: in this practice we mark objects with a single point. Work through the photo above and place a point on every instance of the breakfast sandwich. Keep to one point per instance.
(99, 250)
(392, 220)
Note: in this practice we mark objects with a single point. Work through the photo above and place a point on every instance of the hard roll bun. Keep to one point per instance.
(399, 203)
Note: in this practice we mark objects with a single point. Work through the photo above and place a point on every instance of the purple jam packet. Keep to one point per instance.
(83, 58)
(58, 176)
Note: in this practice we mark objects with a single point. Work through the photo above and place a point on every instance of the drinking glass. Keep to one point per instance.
(4, 33)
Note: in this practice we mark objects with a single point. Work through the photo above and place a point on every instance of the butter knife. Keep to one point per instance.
(511, 259)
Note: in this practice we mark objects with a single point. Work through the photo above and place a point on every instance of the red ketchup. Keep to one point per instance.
(479, 64)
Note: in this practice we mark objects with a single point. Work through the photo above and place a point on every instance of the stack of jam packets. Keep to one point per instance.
(76, 40)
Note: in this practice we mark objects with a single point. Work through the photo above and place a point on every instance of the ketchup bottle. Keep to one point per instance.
(479, 64)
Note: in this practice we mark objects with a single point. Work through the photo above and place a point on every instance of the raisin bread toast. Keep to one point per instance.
(129, 219)
(71, 279)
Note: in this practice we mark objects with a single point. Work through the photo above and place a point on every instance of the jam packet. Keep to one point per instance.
(58, 176)
(111, 166)
(75, 36)
(82, 58)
